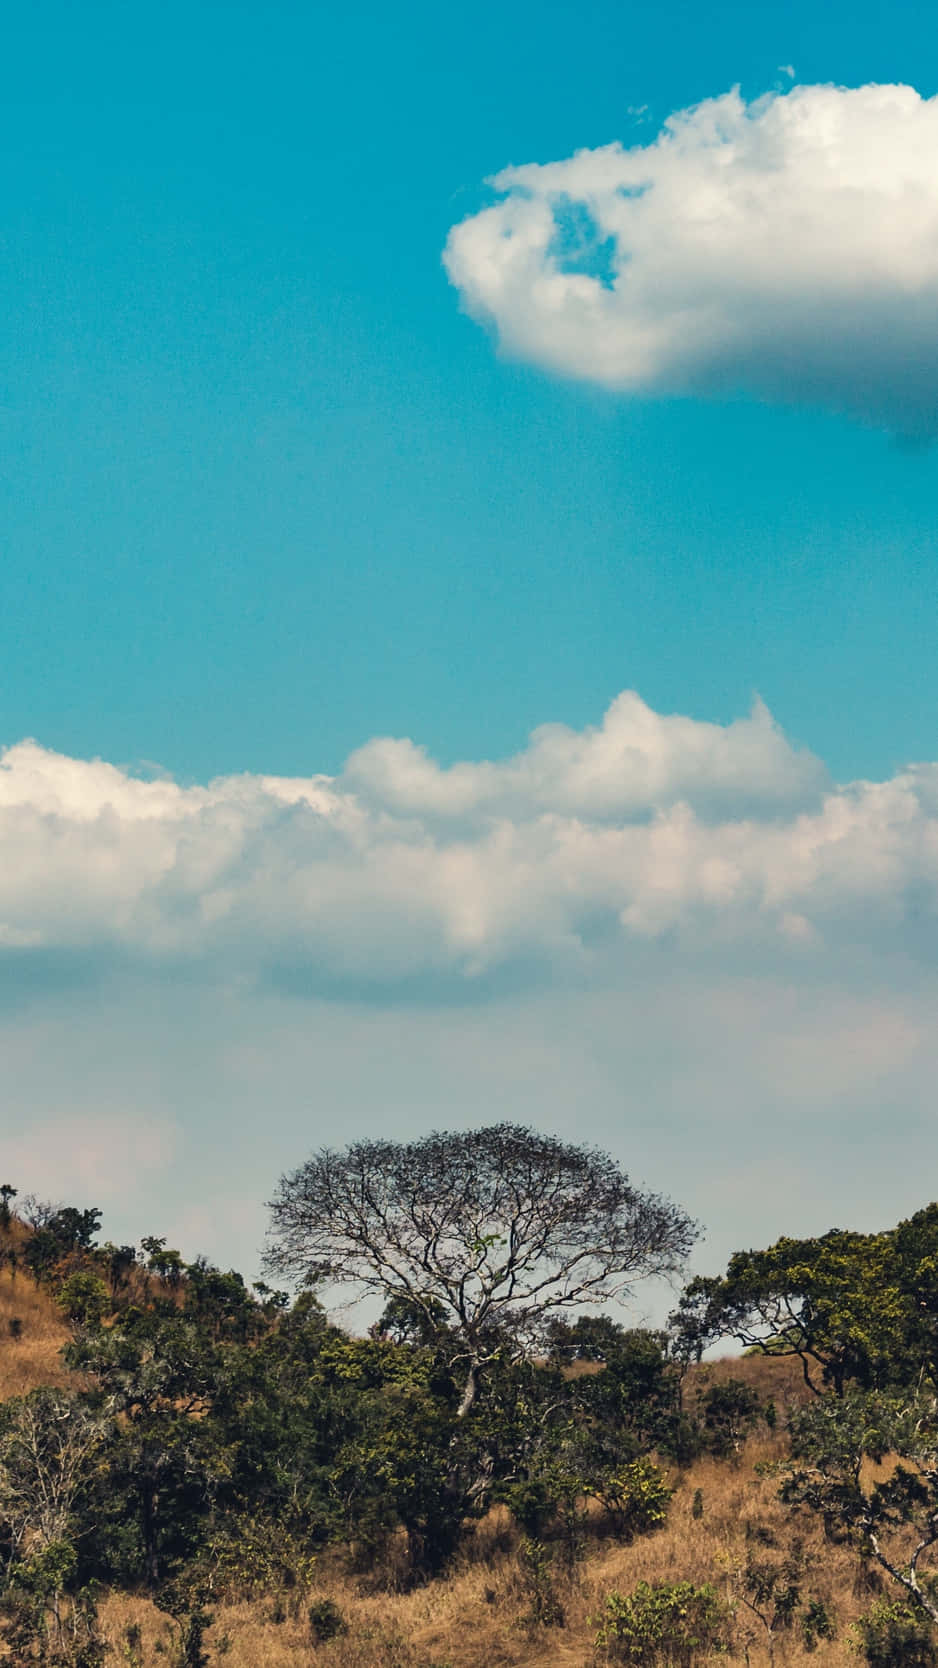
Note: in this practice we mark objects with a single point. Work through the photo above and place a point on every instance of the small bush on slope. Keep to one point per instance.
(673, 1623)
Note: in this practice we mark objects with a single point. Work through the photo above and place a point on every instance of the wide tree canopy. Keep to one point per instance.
(860, 1308)
(484, 1234)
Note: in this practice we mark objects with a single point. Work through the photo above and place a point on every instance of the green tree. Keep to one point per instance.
(164, 1261)
(842, 1303)
(894, 1635)
(45, 1616)
(893, 1519)
(729, 1412)
(638, 1397)
(7, 1193)
(157, 1372)
(84, 1298)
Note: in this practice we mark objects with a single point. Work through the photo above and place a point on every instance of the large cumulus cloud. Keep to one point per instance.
(565, 862)
(787, 248)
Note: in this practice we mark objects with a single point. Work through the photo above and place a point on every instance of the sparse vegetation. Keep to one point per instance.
(194, 1473)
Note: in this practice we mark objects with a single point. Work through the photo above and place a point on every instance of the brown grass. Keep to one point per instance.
(777, 1378)
(476, 1617)
(32, 1358)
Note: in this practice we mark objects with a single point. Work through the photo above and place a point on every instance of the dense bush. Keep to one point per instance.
(663, 1623)
(893, 1635)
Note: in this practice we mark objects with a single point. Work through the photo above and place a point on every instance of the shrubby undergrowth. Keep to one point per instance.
(217, 1442)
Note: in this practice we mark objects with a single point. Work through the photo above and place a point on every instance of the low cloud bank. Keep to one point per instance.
(785, 248)
(562, 863)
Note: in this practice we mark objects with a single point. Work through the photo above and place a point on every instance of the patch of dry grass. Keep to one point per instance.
(29, 1351)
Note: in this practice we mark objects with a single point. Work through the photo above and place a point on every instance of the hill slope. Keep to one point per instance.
(477, 1616)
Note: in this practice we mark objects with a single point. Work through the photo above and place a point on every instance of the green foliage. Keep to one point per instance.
(326, 1621)
(588, 1338)
(637, 1497)
(771, 1581)
(395, 1466)
(132, 1645)
(893, 1635)
(83, 1298)
(892, 1520)
(159, 1372)
(536, 1568)
(189, 1645)
(729, 1412)
(46, 1616)
(7, 1193)
(664, 1625)
(166, 1263)
(117, 1260)
(638, 1393)
(856, 1308)
(61, 1235)
(221, 1303)
(553, 1444)
(816, 1623)
(244, 1555)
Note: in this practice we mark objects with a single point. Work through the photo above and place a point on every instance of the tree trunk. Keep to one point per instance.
(148, 1527)
(470, 1390)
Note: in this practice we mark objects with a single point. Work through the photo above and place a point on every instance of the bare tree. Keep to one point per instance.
(484, 1234)
(48, 1444)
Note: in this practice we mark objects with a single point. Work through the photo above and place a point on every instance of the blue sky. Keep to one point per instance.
(272, 490)
(269, 492)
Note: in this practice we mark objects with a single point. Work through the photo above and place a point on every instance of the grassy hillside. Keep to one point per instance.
(477, 1616)
(32, 1333)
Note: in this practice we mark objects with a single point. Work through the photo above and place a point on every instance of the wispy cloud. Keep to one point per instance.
(786, 248)
(562, 863)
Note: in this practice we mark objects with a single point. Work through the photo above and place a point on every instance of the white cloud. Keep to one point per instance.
(565, 862)
(786, 248)
(635, 760)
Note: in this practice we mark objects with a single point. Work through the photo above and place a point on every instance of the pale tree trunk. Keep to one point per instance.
(470, 1390)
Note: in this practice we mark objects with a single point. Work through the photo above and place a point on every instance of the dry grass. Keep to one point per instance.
(33, 1357)
(476, 1617)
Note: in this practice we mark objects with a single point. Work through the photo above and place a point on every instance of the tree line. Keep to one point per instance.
(217, 1438)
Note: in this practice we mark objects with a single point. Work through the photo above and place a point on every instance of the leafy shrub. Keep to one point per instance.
(254, 1555)
(893, 1635)
(326, 1620)
(636, 1497)
(190, 1649)
(663, 1623)
(730, 1411)
(132, 1645)
(84, 1298)
(816, 1623)
(44, 1618)
(545, 1608)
